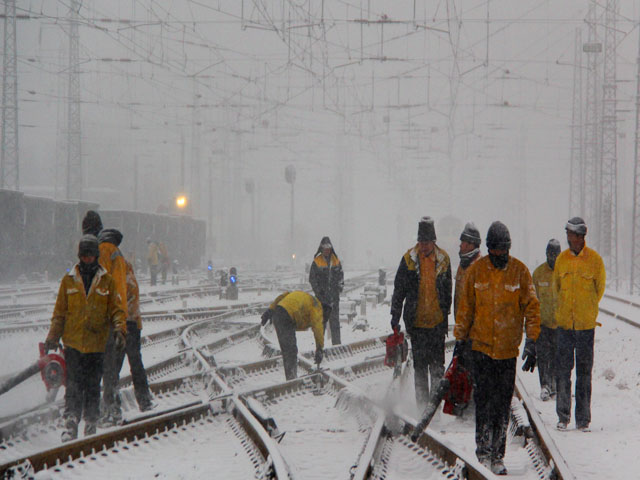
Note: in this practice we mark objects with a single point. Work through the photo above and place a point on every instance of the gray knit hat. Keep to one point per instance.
(576, 225)
(471, 234)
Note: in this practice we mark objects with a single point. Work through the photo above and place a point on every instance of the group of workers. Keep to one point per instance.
(496, 299)
(97, 317)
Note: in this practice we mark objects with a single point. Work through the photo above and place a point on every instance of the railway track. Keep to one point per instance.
(631, 314)
(218, 387)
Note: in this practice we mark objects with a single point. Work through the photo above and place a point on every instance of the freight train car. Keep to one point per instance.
(39, 235)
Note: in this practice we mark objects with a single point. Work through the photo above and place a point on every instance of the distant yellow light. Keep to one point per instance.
(293, 256)
(181, 201)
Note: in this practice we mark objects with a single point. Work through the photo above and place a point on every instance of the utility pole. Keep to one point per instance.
(634, 284)
(591, 151)
(10, 167)
(74, 150)
(195, 152)
(607, 204)
(576, 192)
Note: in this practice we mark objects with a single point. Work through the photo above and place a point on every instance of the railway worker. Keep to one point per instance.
(578, 283)
(87, 305)
(423, 286)
(546, 344)
(293, 311)
(114, 358)
(497, 298)
(152, 260)
(327, 281)
(469, 252)
(163, 258)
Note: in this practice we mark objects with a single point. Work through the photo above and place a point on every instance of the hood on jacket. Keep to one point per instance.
(110, 235)
(324, 241)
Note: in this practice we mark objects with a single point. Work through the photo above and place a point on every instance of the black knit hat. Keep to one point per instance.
(91, 223)
(553, 247)
(88, 246)
(498, 237)
(471, 234)
(110, 235)
(426, 230)
(576, 225)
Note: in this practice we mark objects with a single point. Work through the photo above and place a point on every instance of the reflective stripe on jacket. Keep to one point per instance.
(493, 307)
(578, 284)
(114, 263)
(305, 310)
(81, 320)
(543, 281)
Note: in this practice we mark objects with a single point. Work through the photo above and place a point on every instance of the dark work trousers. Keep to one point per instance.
(492, 392)
(427, 346)
(153, 272)
(113, 364)
(82, 393)
(286, 331)
(546, 350)
(568, 342)
(334, 322)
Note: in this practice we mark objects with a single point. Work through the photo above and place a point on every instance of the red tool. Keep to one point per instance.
(53, 368)
(457, 397)
(397, 350)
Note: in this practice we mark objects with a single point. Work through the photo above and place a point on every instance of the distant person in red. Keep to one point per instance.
(87, 305)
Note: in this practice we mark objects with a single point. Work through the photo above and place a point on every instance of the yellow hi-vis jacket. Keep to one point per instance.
(578, 284)
(81, 320)
(495, 305)
(305, 310)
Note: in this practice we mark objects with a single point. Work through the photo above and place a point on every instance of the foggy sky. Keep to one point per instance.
(384, 122)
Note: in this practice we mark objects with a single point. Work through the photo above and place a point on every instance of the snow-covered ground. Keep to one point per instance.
(610, 450)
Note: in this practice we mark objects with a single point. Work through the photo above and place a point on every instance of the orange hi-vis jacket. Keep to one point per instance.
(83, 320)
(494, 307)
(543, 282)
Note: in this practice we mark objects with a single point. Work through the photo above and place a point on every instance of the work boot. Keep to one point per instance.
(485, 460)
(148, 405)
(562, 426)
(497, 467)
(71, 430)
(584, 428)
(90, 428)
(545, 395)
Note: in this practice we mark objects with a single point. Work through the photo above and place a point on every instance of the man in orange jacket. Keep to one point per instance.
(497, 300)
(86, 307)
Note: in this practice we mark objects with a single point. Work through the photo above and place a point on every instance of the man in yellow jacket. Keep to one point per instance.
(496, 302)
(293, 311)
(578, 283)
(87, 305)
(546, 344)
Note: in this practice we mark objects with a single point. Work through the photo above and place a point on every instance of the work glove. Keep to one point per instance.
(459, 348)
(318, 356)
(50, 345)
(529, 356)
(395, 323)
(266, 316)
(119, 341)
